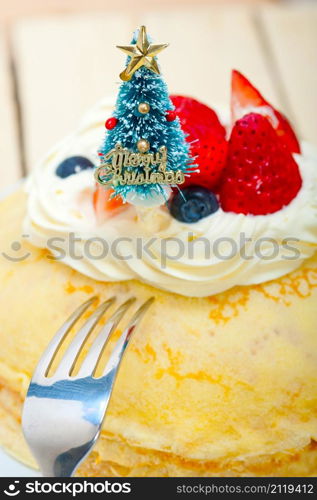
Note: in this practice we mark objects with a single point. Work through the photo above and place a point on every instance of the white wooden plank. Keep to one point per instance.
(64, 64)
(206, 43)
(10, 167)
(292, 35)
(18, 8)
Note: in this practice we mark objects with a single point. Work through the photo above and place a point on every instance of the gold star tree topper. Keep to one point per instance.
(142, 53)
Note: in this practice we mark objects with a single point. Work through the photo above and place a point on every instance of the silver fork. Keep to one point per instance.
(63, 413)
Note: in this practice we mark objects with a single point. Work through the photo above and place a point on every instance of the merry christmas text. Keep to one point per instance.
(114, 171)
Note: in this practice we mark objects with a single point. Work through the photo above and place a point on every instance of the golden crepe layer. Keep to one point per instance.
(217, 386)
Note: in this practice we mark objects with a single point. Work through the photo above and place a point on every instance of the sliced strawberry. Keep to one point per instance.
(261, 175)
(206, 135)
(104, 204)
(245, 98)
(193, 113)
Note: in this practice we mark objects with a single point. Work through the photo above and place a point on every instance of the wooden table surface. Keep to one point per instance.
(52, 69)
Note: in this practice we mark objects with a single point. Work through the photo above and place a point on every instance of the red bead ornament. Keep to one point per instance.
(170, 115)
(111, 123)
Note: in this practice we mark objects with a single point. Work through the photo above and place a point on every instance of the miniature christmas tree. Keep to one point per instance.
(145, 152)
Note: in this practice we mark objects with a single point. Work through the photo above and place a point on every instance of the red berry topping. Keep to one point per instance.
(170, 115)
(261, 175)
(209, 153)
(206, 136)
(111, 123)
(245, 98)
(193, 113)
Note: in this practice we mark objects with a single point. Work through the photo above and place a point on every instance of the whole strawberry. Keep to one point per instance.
(245, 99)
(209, 152)
(194, 114)
(206, 136)
(261, 175)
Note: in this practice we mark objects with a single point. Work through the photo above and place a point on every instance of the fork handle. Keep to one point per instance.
(66, 463)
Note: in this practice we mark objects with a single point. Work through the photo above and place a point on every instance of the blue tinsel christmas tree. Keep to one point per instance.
(146, 86)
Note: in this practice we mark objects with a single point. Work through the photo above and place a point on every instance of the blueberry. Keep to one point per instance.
(193, 203)
(73, 165)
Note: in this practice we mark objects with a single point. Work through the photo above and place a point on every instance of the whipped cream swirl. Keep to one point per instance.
(218, 252)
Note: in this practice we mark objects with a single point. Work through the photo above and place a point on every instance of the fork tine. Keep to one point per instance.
(50, 352)
(74, 349)
(92, 358)
(109, 375)
(113, 364)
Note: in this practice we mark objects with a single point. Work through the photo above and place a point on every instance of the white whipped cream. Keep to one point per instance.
(240, 250)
